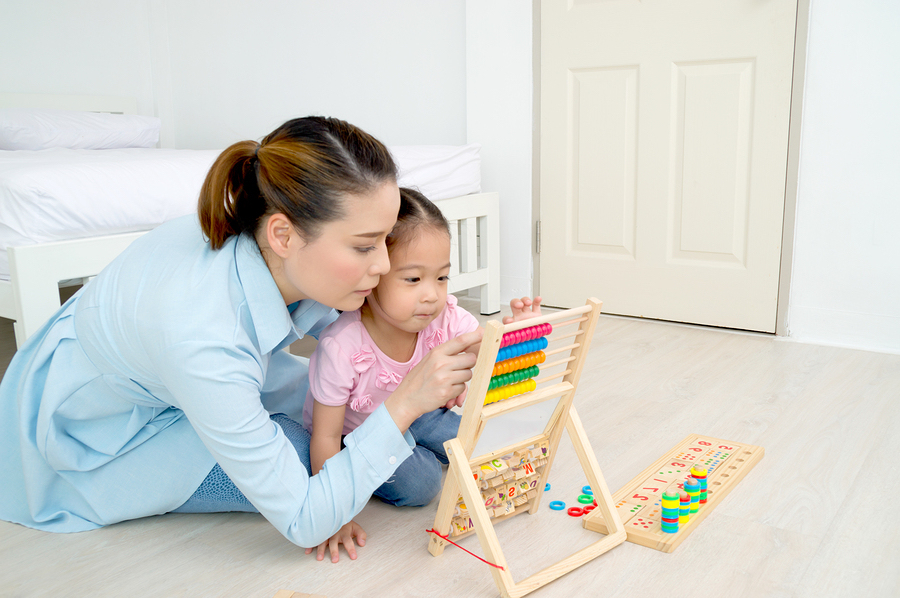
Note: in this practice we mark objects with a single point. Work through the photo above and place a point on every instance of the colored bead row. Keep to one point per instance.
(700, 475)
(538, 344)
(513, 377)
(692, 487)
(684, 511)
(670, 511)
(518, 363)
(526, 334)
(505, 392)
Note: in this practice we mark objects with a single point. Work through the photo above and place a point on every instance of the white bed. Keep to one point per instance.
(44, 244)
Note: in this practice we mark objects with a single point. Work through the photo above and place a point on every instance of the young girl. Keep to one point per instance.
(366, 353)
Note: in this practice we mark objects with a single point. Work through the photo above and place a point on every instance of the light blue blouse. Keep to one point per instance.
(166, 363)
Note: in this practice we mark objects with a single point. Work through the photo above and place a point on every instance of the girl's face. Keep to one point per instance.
(414, 292)
(341, 266)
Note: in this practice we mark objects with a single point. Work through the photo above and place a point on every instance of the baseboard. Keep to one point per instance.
(869, 332)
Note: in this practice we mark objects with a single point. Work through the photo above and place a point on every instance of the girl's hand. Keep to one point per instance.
(344, 536)
(523, 309)
(440, 378)
(458, 401)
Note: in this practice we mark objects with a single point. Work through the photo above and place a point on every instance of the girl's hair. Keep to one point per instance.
(417, 212)
(303, 169)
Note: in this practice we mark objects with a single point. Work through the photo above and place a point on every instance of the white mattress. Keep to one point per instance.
(60, 194)
(439, 171)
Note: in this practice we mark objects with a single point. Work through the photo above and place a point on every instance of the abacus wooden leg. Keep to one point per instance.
(459, 467)
(591, 469)
(446, 506)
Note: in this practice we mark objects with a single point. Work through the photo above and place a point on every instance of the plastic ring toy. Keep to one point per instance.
(575, 511)
(557, 505)
(587, 490)
(585, 499)
(547, 487)
(589, 508)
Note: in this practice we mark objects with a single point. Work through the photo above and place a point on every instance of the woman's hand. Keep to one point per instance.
(344, 536)
(523, 309)
(439, 379)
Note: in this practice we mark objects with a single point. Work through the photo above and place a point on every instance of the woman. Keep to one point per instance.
(151, 389)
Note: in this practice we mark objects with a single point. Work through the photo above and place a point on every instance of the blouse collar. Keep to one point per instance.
(276, 327)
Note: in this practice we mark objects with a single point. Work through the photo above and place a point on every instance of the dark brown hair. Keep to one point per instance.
(303, 169)
(417, 212)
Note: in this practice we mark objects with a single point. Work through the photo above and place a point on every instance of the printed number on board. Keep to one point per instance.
(639, 497)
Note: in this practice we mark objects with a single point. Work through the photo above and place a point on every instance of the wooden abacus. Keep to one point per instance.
(482, 490)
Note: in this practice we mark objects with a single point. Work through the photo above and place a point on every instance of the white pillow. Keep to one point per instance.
(27, 129)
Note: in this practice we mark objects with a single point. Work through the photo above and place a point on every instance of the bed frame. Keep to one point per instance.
(31, 295)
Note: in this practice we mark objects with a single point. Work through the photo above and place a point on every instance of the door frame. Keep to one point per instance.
(801, 35)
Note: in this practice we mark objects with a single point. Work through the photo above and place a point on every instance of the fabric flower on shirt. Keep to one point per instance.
(361, 403)
(388, 380)
(363, 359)
(437, 337)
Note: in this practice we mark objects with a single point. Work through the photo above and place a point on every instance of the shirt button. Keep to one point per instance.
(392, 460)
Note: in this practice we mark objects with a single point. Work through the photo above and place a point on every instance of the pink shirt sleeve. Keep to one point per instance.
(331, 378)
(459, 321)
(331, 374)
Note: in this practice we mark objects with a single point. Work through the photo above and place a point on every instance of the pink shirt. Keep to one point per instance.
(348, 368)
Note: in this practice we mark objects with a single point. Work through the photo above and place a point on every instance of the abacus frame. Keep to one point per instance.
(459, 480)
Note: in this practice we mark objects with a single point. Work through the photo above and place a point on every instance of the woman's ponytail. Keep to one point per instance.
(230, 202)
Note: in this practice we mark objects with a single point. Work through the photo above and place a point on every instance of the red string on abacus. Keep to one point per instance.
(440, 535)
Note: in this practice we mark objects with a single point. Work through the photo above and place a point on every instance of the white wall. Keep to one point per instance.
(101, 47)
(845, 287)
(220, 71)
(237, 69)
(499, 115)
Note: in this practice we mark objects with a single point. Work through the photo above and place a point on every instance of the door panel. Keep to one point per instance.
(664, 129)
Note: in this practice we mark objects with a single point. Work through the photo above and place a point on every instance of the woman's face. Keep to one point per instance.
(341, 266)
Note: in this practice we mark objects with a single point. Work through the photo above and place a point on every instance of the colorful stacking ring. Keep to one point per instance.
(557, 505)
(585, 499)
(587, 490)
(575, 511)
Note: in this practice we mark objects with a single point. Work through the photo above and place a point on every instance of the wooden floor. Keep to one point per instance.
(817, 517)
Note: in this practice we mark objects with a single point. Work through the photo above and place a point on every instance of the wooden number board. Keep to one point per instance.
(638, 503)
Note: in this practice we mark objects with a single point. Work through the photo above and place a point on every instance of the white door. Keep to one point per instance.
(664, 134)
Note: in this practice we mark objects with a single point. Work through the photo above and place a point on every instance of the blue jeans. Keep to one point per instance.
(218, 494)
(415, 482)
(418, 479)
